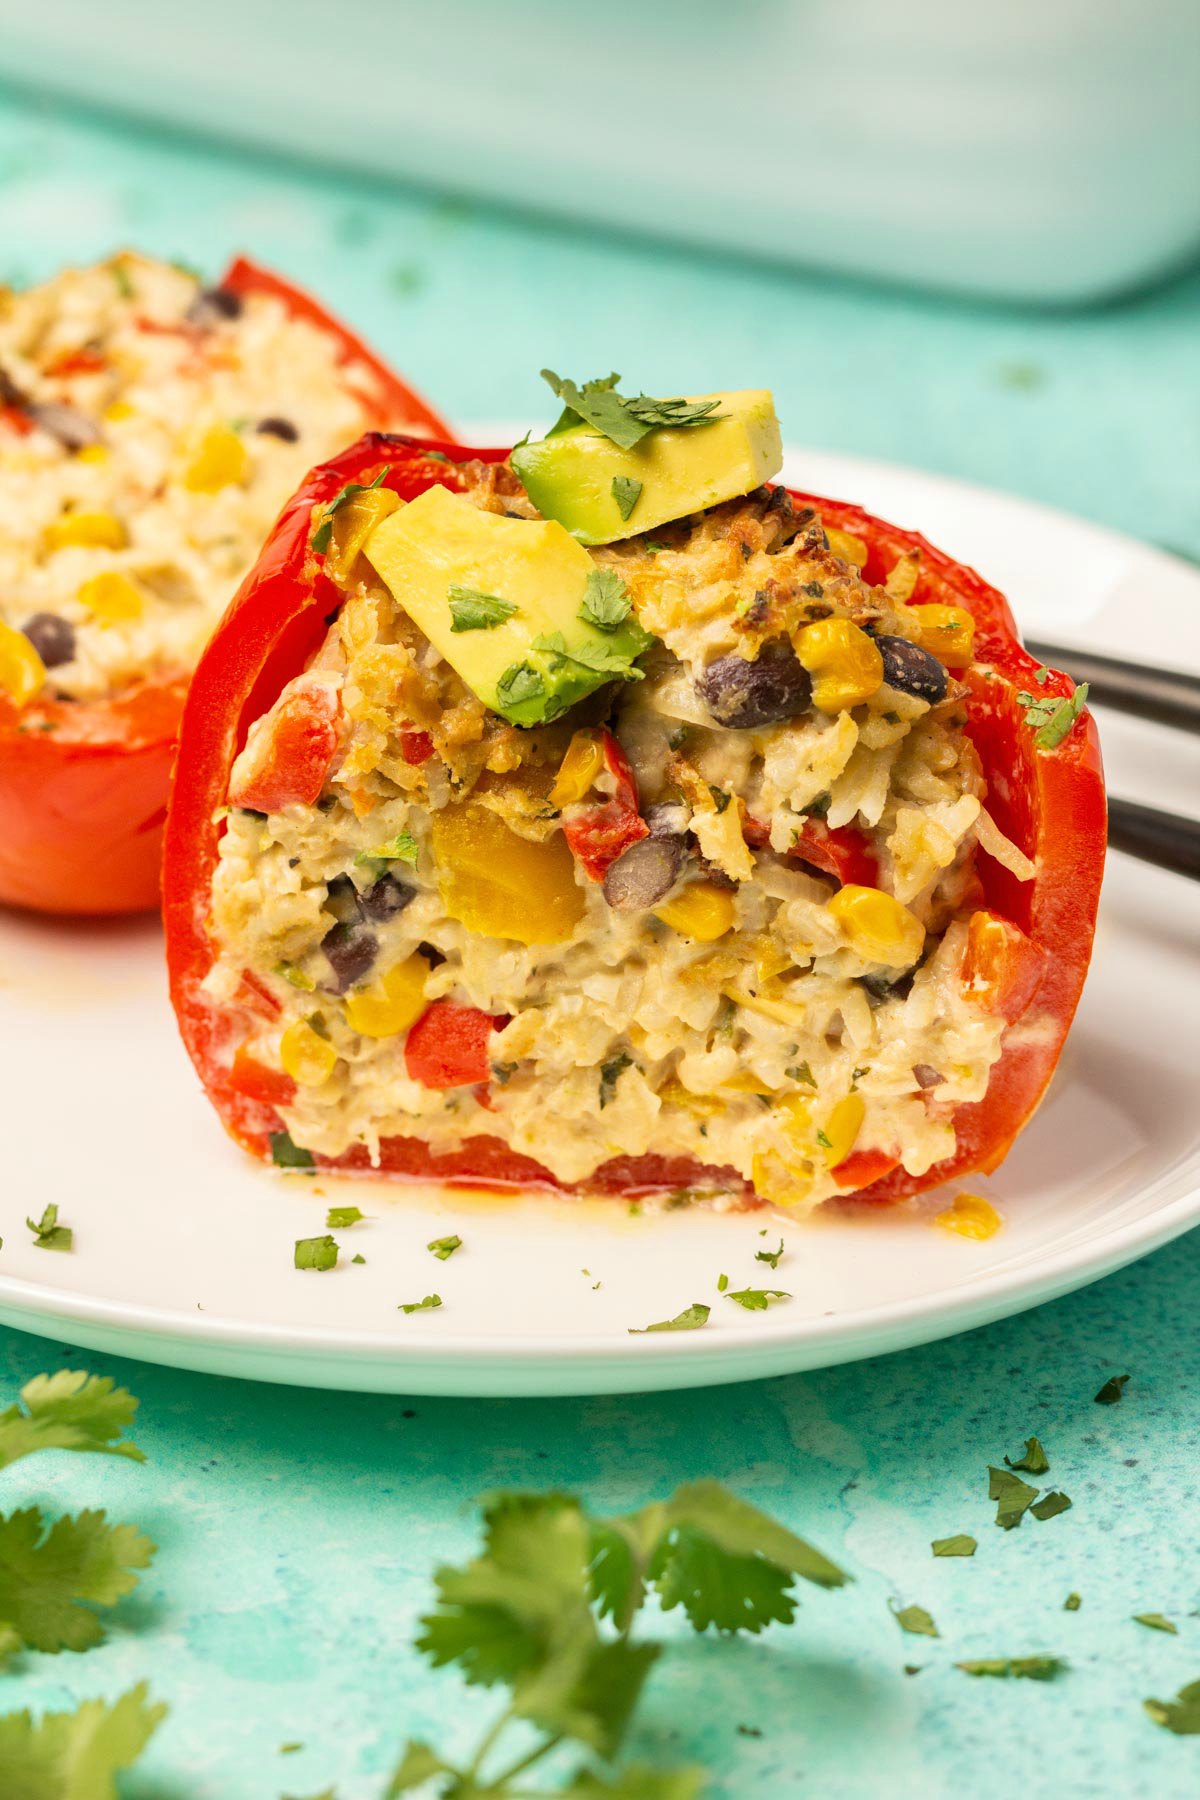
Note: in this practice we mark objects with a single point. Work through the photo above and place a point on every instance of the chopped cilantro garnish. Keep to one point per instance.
(757, 1299)
(296, 977)
(286, 1155)
(802, 1073)
(1034, 1460)
(520, 682)
(1014, 1496)
(1072, 1603)
(824, 1141)
(960, 1545)
(606, 602)
(770, 1257)
(472, 610)
(722, 1283)
(1156, 1622)
(445, 1247)
(1050, 1505)
(339, 1218)
(915, 1620)
(626, 492)
(48, 1234)
(610, 1073)
(1112, 1390)
(690, 1319)
(324, 531)
(1051, 716)
(359, 1258)
(624, 421)
(1180, 1715)
(402, 848)
(429, 1304)
(599, 658)
(318, 1253)
(1027, 1668)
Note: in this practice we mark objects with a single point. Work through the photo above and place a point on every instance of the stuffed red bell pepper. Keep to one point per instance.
(150, 430)
(604, 815)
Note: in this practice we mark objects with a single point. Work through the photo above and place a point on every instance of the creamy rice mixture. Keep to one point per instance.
(775, 1048)
(150, 431)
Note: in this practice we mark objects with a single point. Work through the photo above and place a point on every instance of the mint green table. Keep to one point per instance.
(299, 1530)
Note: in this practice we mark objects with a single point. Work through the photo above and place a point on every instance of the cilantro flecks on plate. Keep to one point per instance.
(340, 1218)
(1013, 1495)
(430, 1303)
(48, 1234)
(1033, 1459)
(319, 1253)
(960, 1545)
(444, 1247)
(690, 1319)
(76, 1755)
(770, 1257)
(757, 1299)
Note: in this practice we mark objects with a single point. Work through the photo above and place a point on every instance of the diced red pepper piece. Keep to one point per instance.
(258, 995)
(256, 1081)
(16, 419)
(1001, 968)
(598, 834)
(288, 754)
(416, 747)
(842, 852)
(862, 1167)
(77, 362)
(448, 1045)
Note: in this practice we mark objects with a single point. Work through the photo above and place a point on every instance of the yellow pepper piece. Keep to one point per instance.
(970, 1216)
(392, 1003)
(22, 671)
(578, 770)
(702, 912)
(111, 598)
(352, 525)
(845, 662)
(308, 1058)
(118, 412)
(220, 459)
(842, 1127)
(851, 549)
(502, 885)
(86, 530)
(780, 1182)
(877, 926)
(947, 632)
(92, 453)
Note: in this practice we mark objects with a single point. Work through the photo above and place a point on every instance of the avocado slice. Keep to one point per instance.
(601, 492)
(517, 606)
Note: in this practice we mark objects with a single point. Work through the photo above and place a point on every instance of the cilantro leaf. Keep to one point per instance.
(1013, 1494)
(802, 1073)
(319, 1253)
(473, 610)
(1072, 1603)
(340, 1218)
(1156, 1622)
(587, 1689)
(610, 1073)
(1056, 727)
(626, 492)
(402, 848)
(1112, 1390)
(1180, 1715)
(1050, 1505)
(418, 1765)
(770, 1257)
(430, 1303)
(637, 1782)
(445, 1247)
(915, 1620)
(961, 1545)
(76, 1755)
(286, 1155)
(742, 1529)
(324, 532)
(624, 421)
(606, 602)
(48, 1234)
(757, 1299)
(690, 1319)
(50, 1579)
(601, 659)
(729, 1591)
(520, 682)
(1034, 1461)
(1005, 1668)
(68, 1411)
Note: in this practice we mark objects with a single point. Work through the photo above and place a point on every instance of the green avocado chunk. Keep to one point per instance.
(516, 606)
(601, 492)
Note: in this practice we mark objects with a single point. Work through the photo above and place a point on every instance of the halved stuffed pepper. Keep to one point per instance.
(606, 816)
(150, 430)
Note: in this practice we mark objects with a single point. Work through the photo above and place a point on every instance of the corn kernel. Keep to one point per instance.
(970, 1216)
(842, 1127)
(796, 1110)
(877, 926)
(851, 549)
(118, 412)
(353, 523)
(779, 1182)
(87, 531)
(947, 632)
(702, 912)
(847, 665)
(392, 1003)
(744, 1084)
(308, 1058)
(111, 598)
(220, 460)
(578, 770)
(673, 1093)
(92, 453)
(22, 671)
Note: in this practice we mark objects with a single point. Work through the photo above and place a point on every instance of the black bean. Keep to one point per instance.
(52, 637)
(342, 900)
(668, 819)
(73, 429)
(213, 304)
(642, 874)
(744, 695)
(912, 670)
(351, 951)
(385, 899)
(927, 1076)
(280, 428)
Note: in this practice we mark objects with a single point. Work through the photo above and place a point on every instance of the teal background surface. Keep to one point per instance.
(299, 1530)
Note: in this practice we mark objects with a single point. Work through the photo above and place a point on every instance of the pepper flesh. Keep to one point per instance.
(1050, 802)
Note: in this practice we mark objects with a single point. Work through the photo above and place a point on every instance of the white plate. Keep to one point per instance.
(183, 1247)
